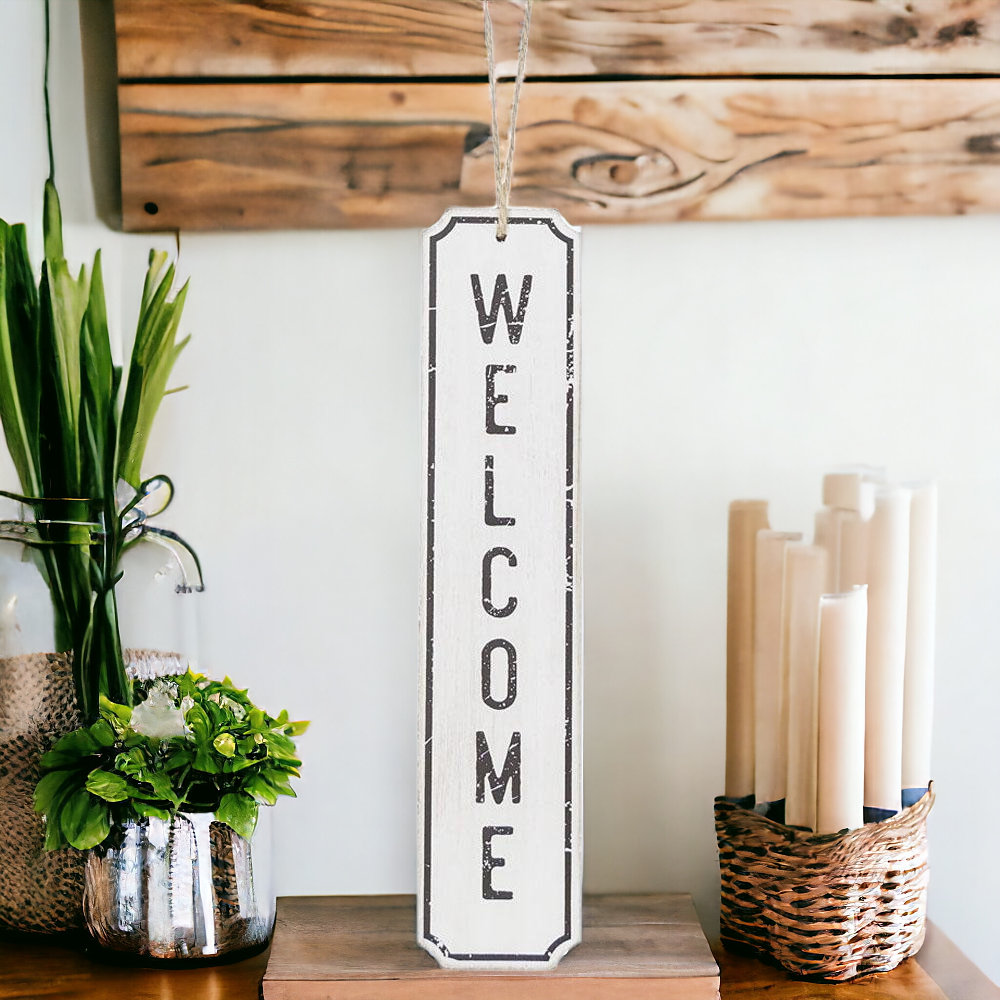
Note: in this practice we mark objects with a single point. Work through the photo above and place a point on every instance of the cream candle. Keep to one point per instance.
(805, 583)
(853, 489)
(853, 551)
(841, 736)
(888, 579)
(770, 683)
(827, 536)
(850, 495)
(746, 518)
(918, 686)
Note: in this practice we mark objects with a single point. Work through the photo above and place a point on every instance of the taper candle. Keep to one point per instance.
(853, 489)
(770, 683)
(850, 495)
(853, 570)
(746, 518)
(918, 687)
(841, 766)
(827, 536)
(805, 583)
(888, 580)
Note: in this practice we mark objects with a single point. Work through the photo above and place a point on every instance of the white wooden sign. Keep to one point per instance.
(500, 788)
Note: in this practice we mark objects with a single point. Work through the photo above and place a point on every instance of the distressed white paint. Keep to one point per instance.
(501, 597)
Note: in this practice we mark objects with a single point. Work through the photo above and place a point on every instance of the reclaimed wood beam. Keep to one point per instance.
(320, 155)
(430, 38)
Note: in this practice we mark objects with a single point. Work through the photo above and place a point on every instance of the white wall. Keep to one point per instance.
(721, 360)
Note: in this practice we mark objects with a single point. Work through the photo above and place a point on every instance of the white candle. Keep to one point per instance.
(746, 518)
(918, 689)
(770, 683)
(853, 489)
(853, 570)
(841, 766)
(805, 583)
(850, 495)
(888, 578)
(827, 536)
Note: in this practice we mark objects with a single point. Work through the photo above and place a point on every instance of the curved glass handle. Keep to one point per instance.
(152, 498)
(159, 491)
(187, 558)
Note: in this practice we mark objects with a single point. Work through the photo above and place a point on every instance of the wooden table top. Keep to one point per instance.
(30, 970)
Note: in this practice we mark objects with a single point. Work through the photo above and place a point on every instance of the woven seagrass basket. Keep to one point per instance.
(42, 891)
(832, 906)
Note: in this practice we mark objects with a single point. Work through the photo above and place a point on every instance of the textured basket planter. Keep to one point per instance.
(833, 906)
(40, 891)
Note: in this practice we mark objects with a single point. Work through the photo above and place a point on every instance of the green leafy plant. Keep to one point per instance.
(190, 744)
(75, 433)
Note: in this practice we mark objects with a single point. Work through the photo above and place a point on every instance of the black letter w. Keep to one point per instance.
(510, 775)
(501, 296)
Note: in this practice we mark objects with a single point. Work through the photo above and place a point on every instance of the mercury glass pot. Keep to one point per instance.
(188, 888)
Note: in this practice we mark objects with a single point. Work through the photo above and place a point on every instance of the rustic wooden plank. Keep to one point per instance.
(363, 948)
(260, 156)
(167, 38)
(32, 970)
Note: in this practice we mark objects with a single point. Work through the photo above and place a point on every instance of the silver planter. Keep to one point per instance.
(186, 888)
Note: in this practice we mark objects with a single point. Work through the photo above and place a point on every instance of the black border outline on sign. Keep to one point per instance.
(429, 628)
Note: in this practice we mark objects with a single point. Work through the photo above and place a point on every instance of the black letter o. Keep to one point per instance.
(487, 674)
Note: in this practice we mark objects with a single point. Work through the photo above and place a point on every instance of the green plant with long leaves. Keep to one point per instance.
(190, 744)
(75, 433)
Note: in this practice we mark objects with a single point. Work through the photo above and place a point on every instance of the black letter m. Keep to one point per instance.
(511, 774)
(501, 296)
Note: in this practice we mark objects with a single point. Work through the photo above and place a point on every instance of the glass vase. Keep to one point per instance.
(158, 600)
(40, 891)
(188, 888)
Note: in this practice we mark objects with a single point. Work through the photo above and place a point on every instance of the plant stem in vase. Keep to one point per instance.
(77, 437)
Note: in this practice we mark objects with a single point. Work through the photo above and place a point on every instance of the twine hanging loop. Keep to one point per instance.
(503, 168)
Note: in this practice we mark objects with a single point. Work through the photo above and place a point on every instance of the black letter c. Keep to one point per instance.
(490, 607)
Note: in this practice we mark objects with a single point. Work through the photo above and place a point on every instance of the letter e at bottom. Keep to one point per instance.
(490, 862)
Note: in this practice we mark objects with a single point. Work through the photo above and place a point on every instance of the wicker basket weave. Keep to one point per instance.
(41, 891)
(832, 906)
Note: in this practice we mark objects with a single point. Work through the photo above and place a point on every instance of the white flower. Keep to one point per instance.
(234, 706)
(158, 716)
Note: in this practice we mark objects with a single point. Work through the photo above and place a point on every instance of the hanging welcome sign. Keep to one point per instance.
(500, 783)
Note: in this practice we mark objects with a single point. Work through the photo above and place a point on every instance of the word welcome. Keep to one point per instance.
(501, 698)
